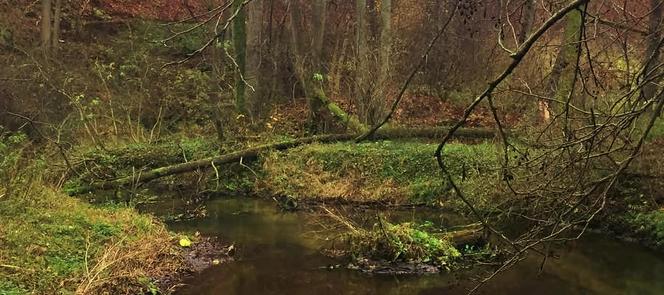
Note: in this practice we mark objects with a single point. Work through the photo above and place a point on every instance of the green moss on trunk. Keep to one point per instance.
(240, 48)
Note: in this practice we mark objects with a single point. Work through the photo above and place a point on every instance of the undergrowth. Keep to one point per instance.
(650, 226)
(132, 159)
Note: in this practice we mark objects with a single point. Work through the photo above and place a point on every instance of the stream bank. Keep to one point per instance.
(385, 173)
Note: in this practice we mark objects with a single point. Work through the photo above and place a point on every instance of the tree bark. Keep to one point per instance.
(46, 25)
(252, 153)
(527, 20)
(385, 60)
(563, 72)
(652, 55)
(318, 36)
(301, 62)
(240, 49)
(470, 234)
(57, 18)
(362, 88)
(254, 57)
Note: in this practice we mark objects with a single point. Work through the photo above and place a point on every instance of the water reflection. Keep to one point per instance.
(279, 254)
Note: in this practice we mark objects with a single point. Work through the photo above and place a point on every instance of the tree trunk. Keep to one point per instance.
(527, 20)
(254, 57)
(562, 76)
(308, 66)
(470, 234)
(362, 87)
(385, 63)
(57, 18)
(319, 20)
(240, 49)
(301, 62)
(46, 25)
(652, 54)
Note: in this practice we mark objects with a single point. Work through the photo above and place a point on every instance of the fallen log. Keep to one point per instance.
(471, 234)
(252, 153)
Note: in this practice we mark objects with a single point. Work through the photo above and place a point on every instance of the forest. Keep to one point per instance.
(331, 147)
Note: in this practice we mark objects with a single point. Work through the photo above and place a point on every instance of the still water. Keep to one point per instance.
(279, 253)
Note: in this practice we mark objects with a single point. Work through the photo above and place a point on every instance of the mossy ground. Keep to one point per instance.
(53, 244)
(387, 171)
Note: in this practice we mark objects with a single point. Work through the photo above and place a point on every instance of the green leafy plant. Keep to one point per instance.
(407, 242)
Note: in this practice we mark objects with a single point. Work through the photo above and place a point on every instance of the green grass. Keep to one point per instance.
(383, 171)
(649, 227)
(49, 243)
(407, 242)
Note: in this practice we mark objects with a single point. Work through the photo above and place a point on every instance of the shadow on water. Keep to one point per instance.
(279, 253)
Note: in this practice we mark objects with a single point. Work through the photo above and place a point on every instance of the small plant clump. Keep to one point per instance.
(404, 242)
(649, 226)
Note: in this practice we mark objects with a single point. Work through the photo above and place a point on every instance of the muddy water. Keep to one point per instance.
(279, 254)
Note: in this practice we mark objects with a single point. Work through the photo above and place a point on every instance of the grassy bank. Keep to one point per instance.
(53, 244)
(387, 171)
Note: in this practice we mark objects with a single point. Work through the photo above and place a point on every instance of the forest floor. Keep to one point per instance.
(52, 243)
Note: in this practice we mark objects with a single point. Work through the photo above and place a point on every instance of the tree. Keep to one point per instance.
(563, 74)
(309, 69)
(385, 50)
(50, 24)
(46, 25)
(652, 54)
(362, 84)
(372, 78)
(57, 18)
(240, 49)
(254, 56)
(527, 20)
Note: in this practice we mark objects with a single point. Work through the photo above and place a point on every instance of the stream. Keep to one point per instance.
(279, 253)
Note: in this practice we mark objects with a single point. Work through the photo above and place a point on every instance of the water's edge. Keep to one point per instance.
(279, 253)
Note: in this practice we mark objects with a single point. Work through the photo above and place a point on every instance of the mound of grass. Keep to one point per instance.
(405, 242)
(53, 244)
(388, 171)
